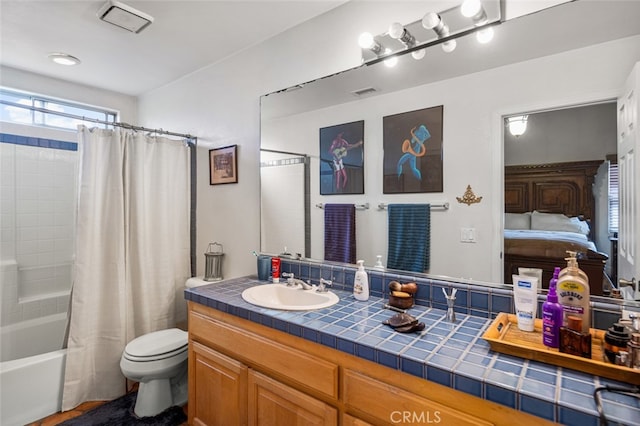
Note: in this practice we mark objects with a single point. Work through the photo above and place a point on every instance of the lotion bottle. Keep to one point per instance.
(361, 283)
(552, 314)
(379, 264)
(573, 294)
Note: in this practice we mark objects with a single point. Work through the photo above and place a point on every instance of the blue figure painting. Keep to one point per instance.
(412, 143)
(414, 148)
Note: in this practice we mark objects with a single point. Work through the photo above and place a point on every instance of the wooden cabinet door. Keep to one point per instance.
(217, 388)
(272, 403)
(348, 420)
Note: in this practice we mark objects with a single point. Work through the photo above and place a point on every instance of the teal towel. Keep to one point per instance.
(409, 237)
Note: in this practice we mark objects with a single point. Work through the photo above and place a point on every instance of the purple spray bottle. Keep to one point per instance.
(552, 314)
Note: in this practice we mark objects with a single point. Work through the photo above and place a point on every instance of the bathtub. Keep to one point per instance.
(31, 383)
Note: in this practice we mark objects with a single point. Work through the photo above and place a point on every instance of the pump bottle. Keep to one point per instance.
(361, 283)
(573, 293)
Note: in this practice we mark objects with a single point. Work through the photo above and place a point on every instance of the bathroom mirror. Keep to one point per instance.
(473, 110)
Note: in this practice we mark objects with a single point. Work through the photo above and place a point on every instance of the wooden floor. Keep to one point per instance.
(57, 418)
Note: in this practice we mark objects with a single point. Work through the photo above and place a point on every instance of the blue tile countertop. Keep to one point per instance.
(453, 355)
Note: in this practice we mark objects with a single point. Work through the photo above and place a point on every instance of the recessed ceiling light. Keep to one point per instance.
(64, 59)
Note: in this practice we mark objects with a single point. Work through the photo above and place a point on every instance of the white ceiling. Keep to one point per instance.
(184, 37)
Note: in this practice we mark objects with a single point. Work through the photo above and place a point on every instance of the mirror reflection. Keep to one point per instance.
(478, 87)
(562, 197)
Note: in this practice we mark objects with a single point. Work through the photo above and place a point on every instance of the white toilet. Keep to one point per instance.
(158, 361)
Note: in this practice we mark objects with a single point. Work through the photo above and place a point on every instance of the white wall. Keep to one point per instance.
(221, 105)
(571, 134)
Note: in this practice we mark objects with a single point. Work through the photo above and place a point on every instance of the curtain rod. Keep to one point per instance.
(95, 120)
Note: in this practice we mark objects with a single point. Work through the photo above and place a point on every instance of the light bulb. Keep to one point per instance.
(431, 20)
(366, 40)
(419, 54)
(392, 61)
(470, 8)
(485, 36)
(449, 46)
(517, 125)
(396, 30)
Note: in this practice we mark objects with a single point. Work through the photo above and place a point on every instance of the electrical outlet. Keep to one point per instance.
(468, 235)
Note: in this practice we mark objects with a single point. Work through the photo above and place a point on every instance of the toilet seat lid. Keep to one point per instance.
(157, 343)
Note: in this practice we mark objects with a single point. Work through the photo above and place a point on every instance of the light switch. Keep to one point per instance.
(468, 235)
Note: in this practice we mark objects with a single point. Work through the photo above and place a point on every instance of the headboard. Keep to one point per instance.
(565, 188)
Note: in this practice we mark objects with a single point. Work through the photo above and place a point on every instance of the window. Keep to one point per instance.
(613, 198)
(62, 120)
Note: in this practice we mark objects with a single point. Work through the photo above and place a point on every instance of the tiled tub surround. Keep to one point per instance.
(37, 205)
(454, 355)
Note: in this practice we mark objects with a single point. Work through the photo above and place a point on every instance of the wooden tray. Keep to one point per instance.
(504, 336)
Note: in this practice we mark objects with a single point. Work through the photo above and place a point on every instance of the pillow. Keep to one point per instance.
(555, 222)
(517, 220)
(582, 225)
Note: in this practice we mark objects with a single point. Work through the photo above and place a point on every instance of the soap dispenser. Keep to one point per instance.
(573, 293)
(361, 283)
(379, 264)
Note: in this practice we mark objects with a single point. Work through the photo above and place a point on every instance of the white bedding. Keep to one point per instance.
(572, 237)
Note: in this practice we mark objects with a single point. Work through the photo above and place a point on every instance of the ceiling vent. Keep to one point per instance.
(365, 91)
(123, 16)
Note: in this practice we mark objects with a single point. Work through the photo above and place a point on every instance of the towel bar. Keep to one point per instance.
(443, 206)
(364, 206)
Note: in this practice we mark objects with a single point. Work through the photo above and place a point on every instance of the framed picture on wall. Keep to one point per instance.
(342, 159)
(223, 165)
(412, 143)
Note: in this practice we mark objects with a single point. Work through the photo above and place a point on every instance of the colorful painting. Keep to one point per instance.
(342, 159)
(412, 143)
(223, 165)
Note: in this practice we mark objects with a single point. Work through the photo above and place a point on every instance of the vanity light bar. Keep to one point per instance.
(443, 206)
(364, 206)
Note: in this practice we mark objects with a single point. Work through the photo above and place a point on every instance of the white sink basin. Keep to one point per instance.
(279, 296)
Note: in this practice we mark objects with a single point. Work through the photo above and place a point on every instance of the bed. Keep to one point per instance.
(549, 209)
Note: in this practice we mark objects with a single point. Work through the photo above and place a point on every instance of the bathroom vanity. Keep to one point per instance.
(241, 371)
(341, 365)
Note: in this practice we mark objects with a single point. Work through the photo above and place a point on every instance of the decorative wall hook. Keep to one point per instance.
(469, 197)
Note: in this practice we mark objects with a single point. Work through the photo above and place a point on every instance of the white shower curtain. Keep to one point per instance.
(132, 253)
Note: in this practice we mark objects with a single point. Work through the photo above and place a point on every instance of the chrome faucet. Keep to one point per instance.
(289, 276)
(322, 287)
(292, 281)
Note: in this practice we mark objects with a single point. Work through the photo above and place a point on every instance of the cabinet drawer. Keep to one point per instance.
(395, 405)
(262, 353)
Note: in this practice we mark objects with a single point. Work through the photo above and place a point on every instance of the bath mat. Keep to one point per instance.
(120, 412)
